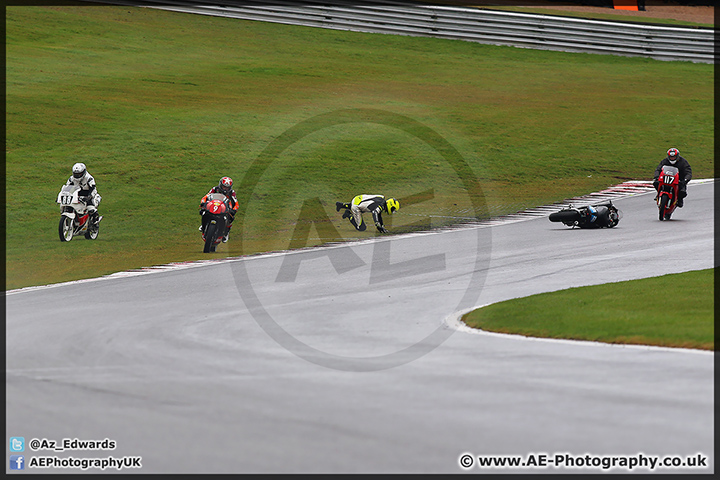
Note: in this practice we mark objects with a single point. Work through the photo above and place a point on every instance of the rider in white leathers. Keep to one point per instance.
(88, 191)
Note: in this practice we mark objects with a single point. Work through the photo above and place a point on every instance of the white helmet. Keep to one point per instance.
(79, 170)
(673, 155)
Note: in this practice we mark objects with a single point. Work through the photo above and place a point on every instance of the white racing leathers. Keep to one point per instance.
(87, 189)
(368, 203)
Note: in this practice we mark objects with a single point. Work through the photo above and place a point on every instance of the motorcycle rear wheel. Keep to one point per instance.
(565, 216)
(65, 229)
(210, 233)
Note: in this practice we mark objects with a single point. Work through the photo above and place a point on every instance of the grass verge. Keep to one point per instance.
(674, 310)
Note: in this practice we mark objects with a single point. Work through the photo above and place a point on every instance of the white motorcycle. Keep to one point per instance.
(76, 215)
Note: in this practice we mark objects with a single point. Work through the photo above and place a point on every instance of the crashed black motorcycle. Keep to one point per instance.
(601, 215)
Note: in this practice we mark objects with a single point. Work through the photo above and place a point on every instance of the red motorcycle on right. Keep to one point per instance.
(215, 219)
(667, 191)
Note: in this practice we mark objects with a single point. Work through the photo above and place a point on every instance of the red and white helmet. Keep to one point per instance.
(673, 154)
(226, 184)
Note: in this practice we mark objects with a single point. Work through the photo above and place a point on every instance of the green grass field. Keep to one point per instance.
(160, 105)
(626, 312)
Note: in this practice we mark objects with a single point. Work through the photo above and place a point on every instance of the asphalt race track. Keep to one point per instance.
(348, 360)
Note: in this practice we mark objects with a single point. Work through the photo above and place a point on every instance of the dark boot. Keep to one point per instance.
(681, 195)
(346, 214)
(360, 227)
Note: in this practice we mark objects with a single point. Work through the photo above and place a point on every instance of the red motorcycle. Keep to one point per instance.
(215, 218)
(668, 188)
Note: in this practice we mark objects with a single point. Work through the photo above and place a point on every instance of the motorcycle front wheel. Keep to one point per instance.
(210, 234)
(65, 229)
(662, 208)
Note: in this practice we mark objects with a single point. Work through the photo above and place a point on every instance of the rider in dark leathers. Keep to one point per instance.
(675, 160)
